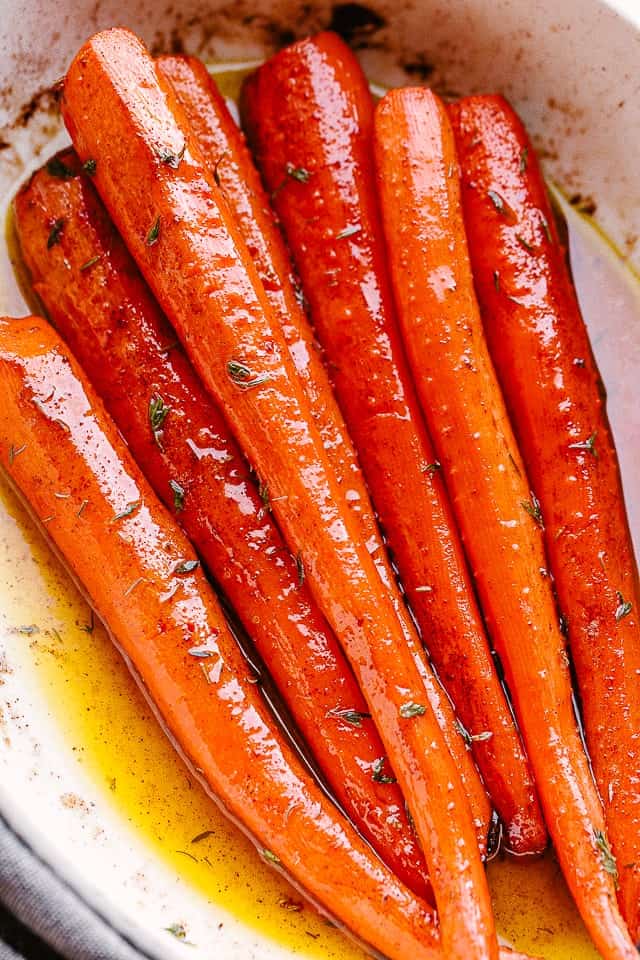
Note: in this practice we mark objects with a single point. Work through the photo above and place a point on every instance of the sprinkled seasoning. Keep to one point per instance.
(378, 774)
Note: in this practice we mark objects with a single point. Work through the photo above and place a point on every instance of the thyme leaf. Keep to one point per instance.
(624, 607)
(270, 857)
(243, 377)
(178, 495)
(158, 413)
(354, 717)
(411, 709)
(186, 566)
(172, 159)
(90, 263)
(128, 510)
(608, 859)
(471, 738)
(89, 166)
(524, 159)
(54, 235)
(297, 173)
(524, 243)
(378, 774)
(589, 445)
(432, 467)
(153, 233)
(15, 452)
(349, 231)
(533, 508)
(498, 201)
(300, 569)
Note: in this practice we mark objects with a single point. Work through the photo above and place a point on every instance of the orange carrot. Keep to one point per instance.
(224, 148)
(541, 350)
(332, 224)
(122, 114)
(66, 458)
(420, 188)
(101, 306)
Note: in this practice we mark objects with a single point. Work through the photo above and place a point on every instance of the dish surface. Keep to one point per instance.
(87, 777)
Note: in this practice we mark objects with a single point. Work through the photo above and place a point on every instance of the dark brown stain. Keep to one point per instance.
(355, 23)
(419, 68)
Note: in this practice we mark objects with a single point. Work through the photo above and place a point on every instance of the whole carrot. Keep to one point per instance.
(543, 356)
(230, 162)
(420, 189)
(122, 114)
(65, 456)
(324, 191)
(99, 303)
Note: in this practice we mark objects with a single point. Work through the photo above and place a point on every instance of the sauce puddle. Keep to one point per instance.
(101, 712)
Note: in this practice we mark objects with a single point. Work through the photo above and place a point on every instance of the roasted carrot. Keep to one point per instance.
(64, 455)
(331, 219)
(422, 213)
(229, 160)
(541, 349)
(122, 114)
(99, 303)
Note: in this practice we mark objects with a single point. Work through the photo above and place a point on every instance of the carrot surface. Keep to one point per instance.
(229, 160)
(419, 183)
(99, 303)
(309, 114)
(122, 114)
(543, 357)
(65, 456)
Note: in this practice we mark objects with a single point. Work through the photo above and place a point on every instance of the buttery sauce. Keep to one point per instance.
(115, 737)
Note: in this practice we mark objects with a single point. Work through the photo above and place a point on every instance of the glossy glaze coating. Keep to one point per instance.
(122, 114)
(541, 350)
(115, 329)
(229, 160)
(309, 108)
(67, 459)
(419, 181)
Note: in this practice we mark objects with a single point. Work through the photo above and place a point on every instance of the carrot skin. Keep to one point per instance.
(115, 329)
(132, 568)
(332, 224)
(229, 161)
(545, 363)
(420, 189)
(122, 113)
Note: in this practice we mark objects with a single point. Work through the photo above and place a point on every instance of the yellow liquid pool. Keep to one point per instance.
(116, 739)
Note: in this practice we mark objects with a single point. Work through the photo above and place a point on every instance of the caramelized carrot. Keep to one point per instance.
(99, 303)
(422, 213)
(332, 223)
(541, 350)
(229, 161)
(141, 576)
(121, 113)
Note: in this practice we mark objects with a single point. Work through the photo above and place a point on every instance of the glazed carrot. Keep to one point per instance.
(99, 303)
(140, 574)
(541, 350)
(225, 150)
(331, 220)
(420, 189)
(122, 114)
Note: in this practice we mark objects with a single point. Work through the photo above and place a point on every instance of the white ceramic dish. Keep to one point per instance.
(117, 831)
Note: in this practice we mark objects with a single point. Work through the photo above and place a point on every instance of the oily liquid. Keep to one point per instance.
(117, 740)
